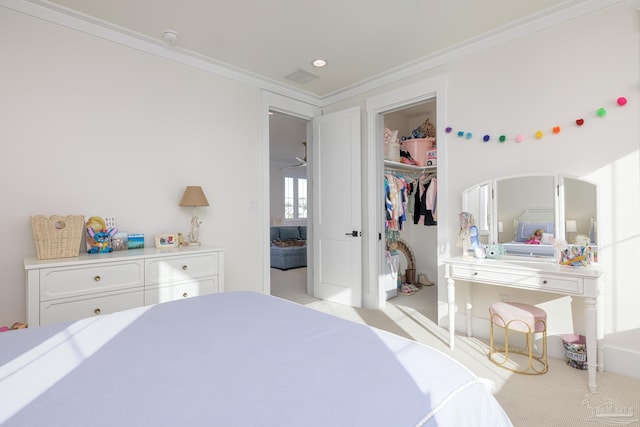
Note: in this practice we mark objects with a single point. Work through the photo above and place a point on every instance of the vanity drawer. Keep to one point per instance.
(64, 282)
(79, 308)
(173, 269)
(188, 289)
(542, 282)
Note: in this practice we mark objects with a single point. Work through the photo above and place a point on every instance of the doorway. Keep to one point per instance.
(288, 155)
(434, 88)
(411, 243)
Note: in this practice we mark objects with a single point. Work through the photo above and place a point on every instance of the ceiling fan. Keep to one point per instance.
(303, 161)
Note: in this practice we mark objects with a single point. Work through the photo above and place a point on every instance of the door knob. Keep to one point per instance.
(354, 233)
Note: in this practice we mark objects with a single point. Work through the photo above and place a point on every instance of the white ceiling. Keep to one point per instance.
(362, 40)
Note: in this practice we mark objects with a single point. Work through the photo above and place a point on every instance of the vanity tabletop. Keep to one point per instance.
(525, 264)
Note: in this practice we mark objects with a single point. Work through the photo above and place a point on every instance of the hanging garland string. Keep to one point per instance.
(601, 112)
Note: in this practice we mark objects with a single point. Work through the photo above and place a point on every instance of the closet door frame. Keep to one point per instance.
(376, 106)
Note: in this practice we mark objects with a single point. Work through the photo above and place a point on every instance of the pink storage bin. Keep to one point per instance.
(418, 149)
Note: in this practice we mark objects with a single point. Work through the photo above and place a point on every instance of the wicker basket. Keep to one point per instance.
(57, 236)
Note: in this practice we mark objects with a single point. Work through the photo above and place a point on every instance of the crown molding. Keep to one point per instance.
(515, 30)
(65, 17)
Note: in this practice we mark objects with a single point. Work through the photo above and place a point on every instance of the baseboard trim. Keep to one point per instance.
(618, 358)
(622, 361)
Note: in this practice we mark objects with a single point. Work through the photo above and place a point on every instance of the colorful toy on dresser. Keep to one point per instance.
(577, 256)
(99, 236)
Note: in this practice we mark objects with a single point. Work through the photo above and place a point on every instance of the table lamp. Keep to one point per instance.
(571, 226)
(194, 196)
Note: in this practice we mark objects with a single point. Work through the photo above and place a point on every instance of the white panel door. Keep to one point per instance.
(337, 222)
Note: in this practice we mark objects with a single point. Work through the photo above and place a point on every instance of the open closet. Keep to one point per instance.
(410, 197)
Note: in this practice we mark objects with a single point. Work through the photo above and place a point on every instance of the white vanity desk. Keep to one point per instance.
(542, 276)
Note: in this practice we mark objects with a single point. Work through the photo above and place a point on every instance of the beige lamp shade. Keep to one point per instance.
(193, 196)
(572, 226)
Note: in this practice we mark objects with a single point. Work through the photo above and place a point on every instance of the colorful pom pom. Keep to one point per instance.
(580, 122)
(622, 101)
(460, 133)
(503, 138)
(448, 130)
(556, 129)
(539, 134)
(486, 138)
(468, 135)
(518, 138)
(601, 112)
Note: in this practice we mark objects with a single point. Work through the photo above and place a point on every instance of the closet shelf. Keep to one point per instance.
(402, 167)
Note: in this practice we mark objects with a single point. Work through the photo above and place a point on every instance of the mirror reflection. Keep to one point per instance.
(525, 214)
(526, 211)
(580, 210)
(477, 200)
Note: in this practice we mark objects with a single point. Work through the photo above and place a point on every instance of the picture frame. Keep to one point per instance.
(167, 241)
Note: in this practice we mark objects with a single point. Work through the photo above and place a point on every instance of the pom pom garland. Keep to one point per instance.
(600, 112)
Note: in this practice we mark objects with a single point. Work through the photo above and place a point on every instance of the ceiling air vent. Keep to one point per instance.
(301, 76)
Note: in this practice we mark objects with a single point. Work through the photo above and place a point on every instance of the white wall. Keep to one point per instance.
(95, 128)
(551, 79)
(92, 127)
(539, 81)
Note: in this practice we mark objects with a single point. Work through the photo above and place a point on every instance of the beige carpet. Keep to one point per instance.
(557, 398)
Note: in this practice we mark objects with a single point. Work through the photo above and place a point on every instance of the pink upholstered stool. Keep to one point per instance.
(522, 318)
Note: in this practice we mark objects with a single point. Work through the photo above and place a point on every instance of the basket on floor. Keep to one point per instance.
(575, 350)
(57, 236)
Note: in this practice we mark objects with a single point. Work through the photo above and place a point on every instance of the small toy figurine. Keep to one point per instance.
(101, 240)
(536, 237)
(98, 236)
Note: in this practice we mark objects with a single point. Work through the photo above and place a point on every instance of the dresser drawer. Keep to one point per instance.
(179, 268)
(542, 282)
(78, 308)
(191, 288)
(64, 282)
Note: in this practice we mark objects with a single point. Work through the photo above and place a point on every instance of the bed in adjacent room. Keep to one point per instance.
(232, 359)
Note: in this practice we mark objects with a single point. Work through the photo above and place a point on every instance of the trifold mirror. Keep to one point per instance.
(510, 211)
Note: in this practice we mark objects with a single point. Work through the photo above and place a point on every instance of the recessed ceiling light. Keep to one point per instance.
(319, 63)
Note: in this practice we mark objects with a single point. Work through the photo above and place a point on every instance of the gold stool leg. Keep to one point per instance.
(527, 351)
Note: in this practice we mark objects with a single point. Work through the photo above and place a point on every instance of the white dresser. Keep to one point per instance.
(92, 284)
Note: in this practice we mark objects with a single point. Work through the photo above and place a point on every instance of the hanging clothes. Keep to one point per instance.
(425, 201)
(396, 189)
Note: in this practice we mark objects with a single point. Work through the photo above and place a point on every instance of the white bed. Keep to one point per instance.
(524, 226)
(232, 359)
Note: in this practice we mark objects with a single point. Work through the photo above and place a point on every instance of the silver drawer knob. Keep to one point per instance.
(544, 282)
(184, 267)
(184, 295)
(97, 278)
(475, 273)
(96, 311)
